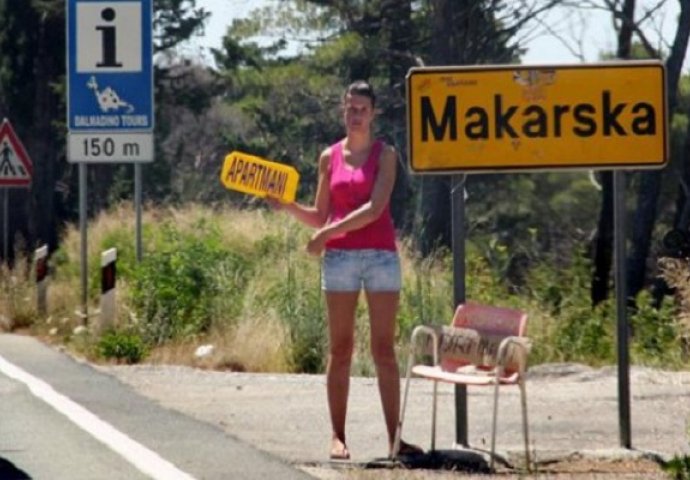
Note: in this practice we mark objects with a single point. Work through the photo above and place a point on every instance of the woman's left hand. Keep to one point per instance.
(317, 243)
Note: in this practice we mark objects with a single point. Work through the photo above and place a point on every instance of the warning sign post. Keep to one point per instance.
(15, 164)
(15, 171)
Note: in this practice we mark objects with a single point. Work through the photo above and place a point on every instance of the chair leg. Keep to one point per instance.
(525, 424)
(493, 425)
(398, 430)
(433, 416)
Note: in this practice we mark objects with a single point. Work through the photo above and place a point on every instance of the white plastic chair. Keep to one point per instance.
(484, 346)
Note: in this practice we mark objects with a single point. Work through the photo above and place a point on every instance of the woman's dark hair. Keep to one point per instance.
(360, 87)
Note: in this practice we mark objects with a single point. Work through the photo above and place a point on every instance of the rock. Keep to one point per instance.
(80, 330)
(203, 351)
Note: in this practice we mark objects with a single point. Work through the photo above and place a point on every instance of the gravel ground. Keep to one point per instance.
(573, 418)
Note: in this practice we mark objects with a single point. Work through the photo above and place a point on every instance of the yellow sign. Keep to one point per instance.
(256, 176)
(517, 117)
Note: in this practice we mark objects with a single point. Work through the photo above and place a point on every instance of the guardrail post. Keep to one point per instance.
(108, 305)
(41, 271)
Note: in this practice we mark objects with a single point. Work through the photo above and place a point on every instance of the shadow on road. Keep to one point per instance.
(9, 472)
(454, 460)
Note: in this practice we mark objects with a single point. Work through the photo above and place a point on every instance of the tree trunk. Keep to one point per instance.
(682, 216)
(603, 242)
(434, 207)
(650, 182)
(397, 18)
(435, 211)
(42, 146)
(603, 245)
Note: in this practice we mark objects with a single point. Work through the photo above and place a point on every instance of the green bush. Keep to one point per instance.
(123, 240)
(297, 298)
(175, 288)
(426, 297)
(585, 334)
(122, 346)
(208, 272)
(678, 468)
(656, 334)
(305, 316)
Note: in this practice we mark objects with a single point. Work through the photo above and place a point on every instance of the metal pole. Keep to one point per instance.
(621, 309)
(5, 226)
(457, 194)
(137, 208)
(84, 245)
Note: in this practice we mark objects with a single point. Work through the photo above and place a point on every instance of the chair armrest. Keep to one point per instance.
(429, 332)
(513, 351)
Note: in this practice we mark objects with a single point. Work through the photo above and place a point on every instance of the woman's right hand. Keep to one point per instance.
(275, 203)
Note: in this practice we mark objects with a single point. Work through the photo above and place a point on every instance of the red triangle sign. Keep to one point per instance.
(15, 164)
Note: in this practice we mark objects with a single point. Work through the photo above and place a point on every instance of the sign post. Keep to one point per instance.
(16, 170)
(110, 81)
(109, 94)
(512, 118)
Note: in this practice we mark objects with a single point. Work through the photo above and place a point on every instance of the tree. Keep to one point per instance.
(460, 33)
(30, 94)
(649, 182)
(32, 63)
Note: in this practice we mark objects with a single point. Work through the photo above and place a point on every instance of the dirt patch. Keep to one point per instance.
(578, 469)
(584, 468)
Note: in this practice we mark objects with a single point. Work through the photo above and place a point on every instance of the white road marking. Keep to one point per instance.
(147, 461)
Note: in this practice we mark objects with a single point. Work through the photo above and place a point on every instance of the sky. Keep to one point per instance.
(592, 26)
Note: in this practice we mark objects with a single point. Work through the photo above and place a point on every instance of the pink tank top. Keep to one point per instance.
(350, 188)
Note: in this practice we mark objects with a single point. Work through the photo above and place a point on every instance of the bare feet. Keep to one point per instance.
(339, 450)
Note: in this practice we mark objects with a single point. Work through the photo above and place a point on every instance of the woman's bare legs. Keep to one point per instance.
(383, 308)
(341, 331)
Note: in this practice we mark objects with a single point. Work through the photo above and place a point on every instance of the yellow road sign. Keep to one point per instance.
(257, 176)
(517, 117)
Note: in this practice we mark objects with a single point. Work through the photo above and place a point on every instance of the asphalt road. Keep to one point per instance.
(226, 425)
(62, 419)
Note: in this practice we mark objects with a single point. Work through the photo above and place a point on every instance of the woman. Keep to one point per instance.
(356, 236)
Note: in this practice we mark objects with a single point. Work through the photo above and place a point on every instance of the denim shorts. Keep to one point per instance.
(353, 270)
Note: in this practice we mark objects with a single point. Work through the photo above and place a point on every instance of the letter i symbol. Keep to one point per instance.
(108, 40)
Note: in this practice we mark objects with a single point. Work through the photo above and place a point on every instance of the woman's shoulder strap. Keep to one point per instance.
(336, 155)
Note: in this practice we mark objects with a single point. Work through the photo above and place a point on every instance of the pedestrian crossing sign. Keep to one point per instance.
(15, 164)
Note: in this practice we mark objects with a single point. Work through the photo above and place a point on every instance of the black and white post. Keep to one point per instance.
(41, 271)
(108, 308)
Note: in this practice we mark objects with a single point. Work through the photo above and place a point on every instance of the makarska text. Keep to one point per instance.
(535, 121)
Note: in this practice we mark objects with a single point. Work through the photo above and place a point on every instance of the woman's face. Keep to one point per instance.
(358, 113)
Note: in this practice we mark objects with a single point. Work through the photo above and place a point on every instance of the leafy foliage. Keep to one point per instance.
(174, 287)
(657, 334)
(123, 346)
(678, 467)
(528, 234)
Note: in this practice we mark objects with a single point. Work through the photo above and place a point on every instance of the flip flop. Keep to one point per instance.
(341, 454)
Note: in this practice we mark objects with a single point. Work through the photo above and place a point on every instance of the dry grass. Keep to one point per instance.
(258, 324)
(675, 272)
(63, 298)
(282, 289)
(18, 306)
(255, 345)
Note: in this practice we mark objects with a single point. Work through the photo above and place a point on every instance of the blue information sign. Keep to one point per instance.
(110, 66)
